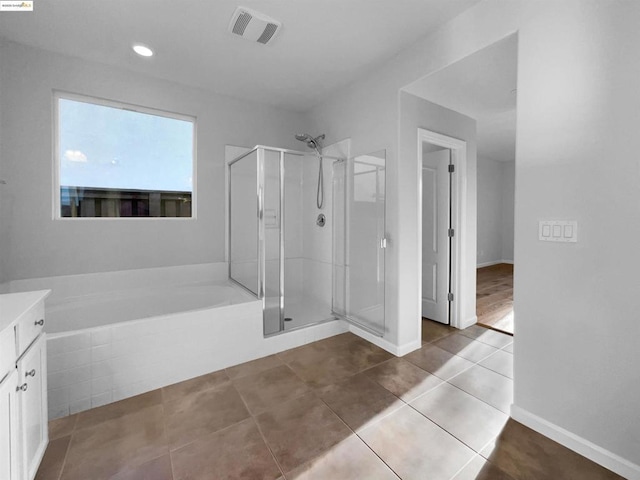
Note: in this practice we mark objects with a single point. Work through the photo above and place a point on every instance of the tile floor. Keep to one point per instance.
(339, 408)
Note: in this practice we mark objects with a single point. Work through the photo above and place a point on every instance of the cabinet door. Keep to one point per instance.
(9, 430)
(32, 396)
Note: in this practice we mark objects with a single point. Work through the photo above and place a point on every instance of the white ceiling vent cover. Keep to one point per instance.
(254, 26)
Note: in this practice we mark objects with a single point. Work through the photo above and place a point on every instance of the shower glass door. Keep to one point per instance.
(243, 222)
(272, 224)
(359, 242)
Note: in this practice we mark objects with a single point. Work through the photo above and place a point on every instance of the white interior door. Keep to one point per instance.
(435, 239)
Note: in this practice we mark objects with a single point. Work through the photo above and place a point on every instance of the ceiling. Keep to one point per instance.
(322, 46)
(481, 86)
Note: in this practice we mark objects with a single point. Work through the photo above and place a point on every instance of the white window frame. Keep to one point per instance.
(58, 94)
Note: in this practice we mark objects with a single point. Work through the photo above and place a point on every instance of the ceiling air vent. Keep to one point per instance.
(254, 26)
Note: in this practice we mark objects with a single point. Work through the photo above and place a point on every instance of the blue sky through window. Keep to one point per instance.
(106, 147)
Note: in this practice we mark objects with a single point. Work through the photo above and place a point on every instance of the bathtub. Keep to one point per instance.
(100, 309)
(109, 339)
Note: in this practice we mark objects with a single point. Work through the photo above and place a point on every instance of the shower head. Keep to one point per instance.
(311, 142)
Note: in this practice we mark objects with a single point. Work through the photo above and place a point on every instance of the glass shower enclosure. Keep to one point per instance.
(306, 273)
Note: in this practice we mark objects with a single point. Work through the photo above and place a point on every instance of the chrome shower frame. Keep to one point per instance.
(261, 254)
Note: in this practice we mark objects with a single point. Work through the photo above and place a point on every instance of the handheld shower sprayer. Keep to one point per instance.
(314, 143)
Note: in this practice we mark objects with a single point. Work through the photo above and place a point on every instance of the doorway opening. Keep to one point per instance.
(442, 179)
(437, 233)
(483, 87)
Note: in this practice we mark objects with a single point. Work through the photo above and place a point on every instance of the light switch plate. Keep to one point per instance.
(565, 231)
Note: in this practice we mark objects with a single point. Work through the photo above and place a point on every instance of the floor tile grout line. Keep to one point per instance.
(166, 433)
(465, 465)
(477, 339)
(179, 447)
(64, 460)
(478, 398)
(458, 374)
(266, 444)
(362, 439)
(264, 438)
(453, 435)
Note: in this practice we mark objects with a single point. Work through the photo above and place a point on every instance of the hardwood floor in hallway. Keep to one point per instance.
(494, 297)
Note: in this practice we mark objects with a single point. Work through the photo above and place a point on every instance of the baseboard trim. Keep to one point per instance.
(584, 447)
(397, 350)
(495, 262)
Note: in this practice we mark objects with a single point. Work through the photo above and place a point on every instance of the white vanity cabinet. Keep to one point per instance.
(23, 390)
(9, 429)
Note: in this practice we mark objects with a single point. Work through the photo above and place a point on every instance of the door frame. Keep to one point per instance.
(458, 257)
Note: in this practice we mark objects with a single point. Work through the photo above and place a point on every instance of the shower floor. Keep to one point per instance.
(303, 310)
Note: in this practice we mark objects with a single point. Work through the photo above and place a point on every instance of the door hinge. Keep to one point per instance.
(450, 297)
(452, 168)
(451, 232)
(383, 242)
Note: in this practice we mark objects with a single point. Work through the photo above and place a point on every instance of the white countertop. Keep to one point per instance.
(13, 305)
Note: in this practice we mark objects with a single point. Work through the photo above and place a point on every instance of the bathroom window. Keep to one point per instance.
(118, 160)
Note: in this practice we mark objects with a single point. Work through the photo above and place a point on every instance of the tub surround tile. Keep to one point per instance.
(68, 360)
(240, 452)
(80, 406)
(467, 418)
(350, 459)
(466, 347)
(106, 448)
(68, 343)
(53, 460)
(254, 366)
(194, 385)
(488, 386)
(269, 388)
(403, 378)
(101, 385)
(439, 362)
(416, 448)
(301, 430)
(117, 410)
(100, 353)
(58, 400)
(101, 399)
(80, 391)
(509, 348)
(359, 401)
(156, 469)
(101, 336)
(198, 414)
(64, 378)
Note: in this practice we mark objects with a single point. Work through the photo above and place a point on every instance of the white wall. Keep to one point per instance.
(37, 246)
(508, 209)
(496, 181)
(4, 198)
(576, 355)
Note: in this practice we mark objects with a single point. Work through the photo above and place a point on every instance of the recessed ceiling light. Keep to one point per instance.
(142, 50)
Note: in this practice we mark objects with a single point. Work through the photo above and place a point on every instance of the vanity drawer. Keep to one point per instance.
(30, 325)
(7, 351)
